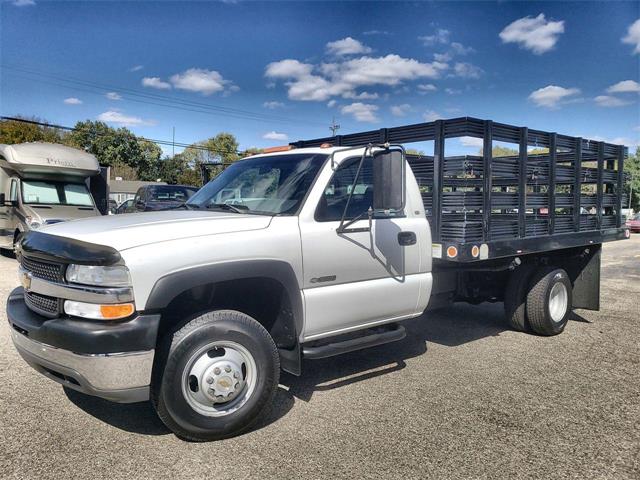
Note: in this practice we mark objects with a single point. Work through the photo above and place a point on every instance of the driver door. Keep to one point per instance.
(357, 278)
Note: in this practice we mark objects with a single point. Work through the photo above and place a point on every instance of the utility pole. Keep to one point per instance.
(334, 127)
(173, 143)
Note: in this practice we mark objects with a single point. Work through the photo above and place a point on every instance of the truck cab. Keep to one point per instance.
(42, 184)
(296, 253)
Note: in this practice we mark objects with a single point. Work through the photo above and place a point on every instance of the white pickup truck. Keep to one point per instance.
(297, 254)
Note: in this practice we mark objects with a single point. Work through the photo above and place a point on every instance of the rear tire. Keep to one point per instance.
(217, 377)
(515, 298)
(549, 301)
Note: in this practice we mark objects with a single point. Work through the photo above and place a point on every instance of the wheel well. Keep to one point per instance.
(264, 299)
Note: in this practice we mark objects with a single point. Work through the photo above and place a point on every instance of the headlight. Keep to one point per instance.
(110, 276)
(33, 224)
(98, 312)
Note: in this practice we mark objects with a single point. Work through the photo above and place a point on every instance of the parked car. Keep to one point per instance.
(113, 206)
(124, 207)
(161, 197)
(633, 223)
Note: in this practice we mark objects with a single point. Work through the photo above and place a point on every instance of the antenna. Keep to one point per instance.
(334, 127)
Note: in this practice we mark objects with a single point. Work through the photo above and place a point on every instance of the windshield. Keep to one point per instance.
(55, 193)
(172, 193)
(270, 185)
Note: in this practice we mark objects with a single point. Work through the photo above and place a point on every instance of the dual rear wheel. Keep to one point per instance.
(538, 299)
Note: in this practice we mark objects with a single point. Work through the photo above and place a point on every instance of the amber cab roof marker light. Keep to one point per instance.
(282, 148)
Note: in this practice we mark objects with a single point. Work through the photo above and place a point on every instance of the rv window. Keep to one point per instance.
(55, 193)
(76, 194)
(13, 195)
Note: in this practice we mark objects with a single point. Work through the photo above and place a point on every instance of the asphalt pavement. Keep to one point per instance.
(461, 397)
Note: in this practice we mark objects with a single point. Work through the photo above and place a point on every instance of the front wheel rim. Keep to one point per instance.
(558, 302)
(219, 378)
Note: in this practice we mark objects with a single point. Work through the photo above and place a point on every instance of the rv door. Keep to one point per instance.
(8, 205)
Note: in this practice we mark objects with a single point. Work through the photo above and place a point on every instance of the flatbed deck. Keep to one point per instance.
(554, 191)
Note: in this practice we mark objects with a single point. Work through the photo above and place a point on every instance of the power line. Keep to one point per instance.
(153, 98)
(158, 142)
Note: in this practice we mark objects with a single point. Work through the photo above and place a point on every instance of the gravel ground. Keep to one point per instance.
(460, 397)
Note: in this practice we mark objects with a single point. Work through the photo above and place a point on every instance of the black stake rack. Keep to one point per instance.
(557, 192)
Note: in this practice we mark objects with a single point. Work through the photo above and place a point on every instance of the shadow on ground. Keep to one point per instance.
(453, 326)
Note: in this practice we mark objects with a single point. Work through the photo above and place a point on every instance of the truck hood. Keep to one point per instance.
(134, 229)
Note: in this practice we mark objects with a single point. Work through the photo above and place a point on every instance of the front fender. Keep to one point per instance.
(170, 286)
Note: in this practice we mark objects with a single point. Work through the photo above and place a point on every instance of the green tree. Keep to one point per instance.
(116, 148)
(14, 131)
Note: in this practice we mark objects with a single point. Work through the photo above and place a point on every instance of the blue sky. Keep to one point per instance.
(277, 72)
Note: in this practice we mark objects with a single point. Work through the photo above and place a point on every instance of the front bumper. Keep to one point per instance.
(112, 360)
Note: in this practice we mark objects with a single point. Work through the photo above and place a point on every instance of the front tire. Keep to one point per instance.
(219, 376)
(549, 301)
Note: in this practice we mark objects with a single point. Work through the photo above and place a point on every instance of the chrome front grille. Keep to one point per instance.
(52, 272)
(47, 306)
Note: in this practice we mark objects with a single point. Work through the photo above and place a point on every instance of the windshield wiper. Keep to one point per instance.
(186, 205)
(229, 207)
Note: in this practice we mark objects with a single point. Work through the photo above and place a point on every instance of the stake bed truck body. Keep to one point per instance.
(315, 249)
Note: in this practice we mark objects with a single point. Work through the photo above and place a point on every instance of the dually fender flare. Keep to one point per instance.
(170, 286)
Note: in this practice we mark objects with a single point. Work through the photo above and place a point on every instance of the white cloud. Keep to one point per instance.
(347, 46)
(460, 49)
(442, 57)
(331, 103)
(536, 34)
(552, 96)
(362, 112)
(200, 80)
(633, 36)
(471, 142)
(425, 88)
(113, 96)
(288, 69)
(440, 36)
(361, 96)
(467, 70)
(610, 101)
(273, 135)
(72, 101)
(431, 116)
(322, 82)
(273, 105)
(155, 82)
(24, 3)
(400, 110)
(136, 68)
(625, 86)
(119, 118)
(452, 91)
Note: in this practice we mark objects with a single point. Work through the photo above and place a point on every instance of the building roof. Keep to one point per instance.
(129, 186)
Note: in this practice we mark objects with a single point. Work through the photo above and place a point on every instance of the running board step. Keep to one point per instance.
(388, 335)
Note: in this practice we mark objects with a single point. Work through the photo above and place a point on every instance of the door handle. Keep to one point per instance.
(407, 238)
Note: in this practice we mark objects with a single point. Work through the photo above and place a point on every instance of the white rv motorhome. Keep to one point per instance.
(43, 183)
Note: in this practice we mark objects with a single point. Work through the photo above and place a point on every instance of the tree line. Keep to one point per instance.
(131, 157)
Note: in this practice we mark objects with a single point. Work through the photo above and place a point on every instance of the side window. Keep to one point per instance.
(139, 196)
(13, 193)
(334, 199)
